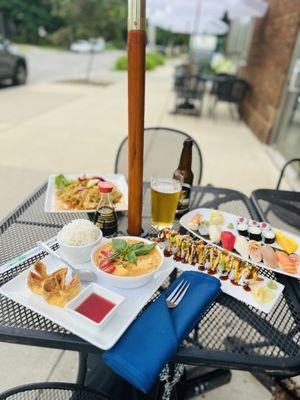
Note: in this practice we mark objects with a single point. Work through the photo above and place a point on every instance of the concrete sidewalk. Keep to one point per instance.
(53, 127)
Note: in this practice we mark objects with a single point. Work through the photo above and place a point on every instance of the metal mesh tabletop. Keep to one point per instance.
(231, 334)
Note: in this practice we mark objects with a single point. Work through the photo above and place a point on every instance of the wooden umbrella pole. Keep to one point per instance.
(136, 105)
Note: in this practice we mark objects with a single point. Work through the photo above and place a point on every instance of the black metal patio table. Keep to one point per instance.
(230, 335)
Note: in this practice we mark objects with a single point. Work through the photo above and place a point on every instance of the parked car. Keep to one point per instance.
(13, 64)
(88, 46)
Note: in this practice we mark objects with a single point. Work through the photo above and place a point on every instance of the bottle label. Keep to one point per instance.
(184, 198)
(106, 219)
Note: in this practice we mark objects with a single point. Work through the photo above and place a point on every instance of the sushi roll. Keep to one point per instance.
(241, 220)
(242, 229)
(254, 233)
(265, 226)
(268, 236)
(203, 228)
(251, 222)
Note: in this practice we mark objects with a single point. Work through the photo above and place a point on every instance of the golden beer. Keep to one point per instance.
(164, 200)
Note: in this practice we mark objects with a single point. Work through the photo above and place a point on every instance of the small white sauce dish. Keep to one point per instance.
(101, 291)
(78, 254)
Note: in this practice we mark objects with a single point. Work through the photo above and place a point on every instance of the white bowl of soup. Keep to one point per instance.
(115, 264)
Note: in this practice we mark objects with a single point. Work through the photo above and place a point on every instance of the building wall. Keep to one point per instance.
(268, 61)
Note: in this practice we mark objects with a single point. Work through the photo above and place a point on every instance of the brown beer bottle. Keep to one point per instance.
(184, 169)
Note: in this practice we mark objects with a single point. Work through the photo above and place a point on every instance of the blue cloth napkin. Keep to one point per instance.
(153, 338)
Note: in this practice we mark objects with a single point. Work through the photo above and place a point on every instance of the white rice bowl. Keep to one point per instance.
(79, 232)
(77, 239)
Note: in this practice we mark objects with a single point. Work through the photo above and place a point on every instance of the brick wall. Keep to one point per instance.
(268, 62)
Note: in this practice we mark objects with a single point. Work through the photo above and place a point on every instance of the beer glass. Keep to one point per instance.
(164, 200)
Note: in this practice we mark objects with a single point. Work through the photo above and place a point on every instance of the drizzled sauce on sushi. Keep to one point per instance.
(223, 277)
(212, 271)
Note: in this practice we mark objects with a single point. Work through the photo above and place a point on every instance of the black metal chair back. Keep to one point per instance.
(293, 160)
(190, 87)
(162, 150)
(53, 390)
(231, 90)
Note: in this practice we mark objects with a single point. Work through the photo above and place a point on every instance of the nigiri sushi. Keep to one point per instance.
(214, 233)
(241, 245)
(227, 239)
(255, 251)
(269, 256)
(194, 222)
(286, 263)
(296, 259)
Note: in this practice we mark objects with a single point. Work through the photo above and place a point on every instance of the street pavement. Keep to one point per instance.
(49, 65)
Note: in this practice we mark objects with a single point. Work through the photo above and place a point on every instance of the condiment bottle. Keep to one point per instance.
(105, 217)
(184, 171)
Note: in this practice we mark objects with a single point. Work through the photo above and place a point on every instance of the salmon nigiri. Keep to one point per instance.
(296, 259)
(286, 263)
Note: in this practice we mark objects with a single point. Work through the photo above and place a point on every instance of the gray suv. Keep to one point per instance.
(12, 64)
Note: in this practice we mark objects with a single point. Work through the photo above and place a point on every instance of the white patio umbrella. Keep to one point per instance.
(184, 15)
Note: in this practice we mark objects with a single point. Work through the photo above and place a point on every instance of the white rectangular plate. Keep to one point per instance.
(231, 219)
(238, 292)
(117, 179)
(102, 337)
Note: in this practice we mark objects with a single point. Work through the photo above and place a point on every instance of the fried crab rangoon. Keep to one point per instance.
(53, 287)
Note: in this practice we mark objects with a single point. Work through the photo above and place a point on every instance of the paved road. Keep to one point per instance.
(51, 65)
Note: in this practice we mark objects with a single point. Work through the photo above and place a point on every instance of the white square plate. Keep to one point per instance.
(103, 337)
(117, 179)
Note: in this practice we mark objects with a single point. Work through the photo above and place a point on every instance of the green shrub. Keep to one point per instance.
(121, 63)
(152, 61)
(157, 57)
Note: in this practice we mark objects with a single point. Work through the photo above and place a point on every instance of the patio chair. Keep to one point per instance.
(162, 150)
(54, 390)
(189, 91)
(293, 160)
(230, 90)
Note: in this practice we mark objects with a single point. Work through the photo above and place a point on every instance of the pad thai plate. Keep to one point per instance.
(79, 192)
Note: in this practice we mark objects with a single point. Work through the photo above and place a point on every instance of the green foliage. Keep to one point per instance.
(153, 59)
(25, 17)
(121, 63)
(157, 58)
(165, 38)
(66, 20)
(93, 18)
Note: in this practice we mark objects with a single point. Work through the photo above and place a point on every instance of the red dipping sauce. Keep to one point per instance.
(95, 307)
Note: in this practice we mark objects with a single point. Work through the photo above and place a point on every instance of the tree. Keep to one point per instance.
(93, 18)
(23, 18)
(165, 38)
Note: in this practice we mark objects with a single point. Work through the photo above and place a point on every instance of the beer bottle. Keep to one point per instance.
(105, 217)
(184, 171)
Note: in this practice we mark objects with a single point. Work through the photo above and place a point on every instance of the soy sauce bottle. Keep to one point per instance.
(184, 171)
(105, 217)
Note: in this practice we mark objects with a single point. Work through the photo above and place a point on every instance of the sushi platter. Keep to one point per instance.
(239, 279)
(254, 242)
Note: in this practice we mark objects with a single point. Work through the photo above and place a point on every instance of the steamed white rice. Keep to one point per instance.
(79, 232)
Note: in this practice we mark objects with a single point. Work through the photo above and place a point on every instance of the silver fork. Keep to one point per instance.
(177, 295)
